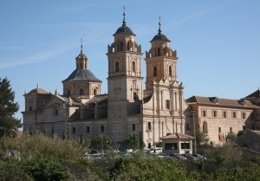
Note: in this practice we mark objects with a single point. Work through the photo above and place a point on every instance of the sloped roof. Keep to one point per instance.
(177, 136)
(254, 94)
(97, 98)
(147, 98)
(214, 101)
(68, 100)
(82, 74)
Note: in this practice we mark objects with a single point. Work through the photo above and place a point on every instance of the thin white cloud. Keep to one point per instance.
(187, 19)
(32, 59)
(199, 14)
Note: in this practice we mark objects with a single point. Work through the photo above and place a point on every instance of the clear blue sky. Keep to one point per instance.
(218, 42)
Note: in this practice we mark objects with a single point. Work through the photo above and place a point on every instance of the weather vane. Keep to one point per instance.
(159, 31)
(124, 15)
(81, 45)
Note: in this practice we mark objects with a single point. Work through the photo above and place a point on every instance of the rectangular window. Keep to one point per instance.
(167, 104)
(219, 129)
(214, 114)
(73, 130)
(87, 129)
(185, 145)
(56, 112)
(149, 126)
(133, 127)
(154, 71)
(81, 92)
(234, 115)
(204, 113)
(243, 115)
(230, 130)
(102, 129)
(224, 114)
(187, 127)
(171, 146)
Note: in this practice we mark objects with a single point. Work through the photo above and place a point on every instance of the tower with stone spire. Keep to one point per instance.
(124, 79)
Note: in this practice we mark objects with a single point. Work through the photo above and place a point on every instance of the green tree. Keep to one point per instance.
(8, 123)
(101, 143)
(201, 138)
(231, 138)
(134, 141)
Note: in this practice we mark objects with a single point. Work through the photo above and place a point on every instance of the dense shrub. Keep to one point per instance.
(41, 158)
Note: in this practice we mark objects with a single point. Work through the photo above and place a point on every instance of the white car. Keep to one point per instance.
(156, 150)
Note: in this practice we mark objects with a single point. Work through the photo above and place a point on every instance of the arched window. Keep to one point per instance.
(95, 91)
(133, 66)
(117, 67)
(154, 71)
(170, 70)
(205, 127)
(128, 45)
(159, 51)
(135, 96)
(68, 92)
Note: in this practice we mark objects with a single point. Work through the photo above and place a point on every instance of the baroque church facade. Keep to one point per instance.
(152, 110)
(129, 108)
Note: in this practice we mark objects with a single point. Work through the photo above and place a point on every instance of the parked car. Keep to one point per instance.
(156, 150)
(200, 157)
(179, 156)
(163, 155)
(190, 157)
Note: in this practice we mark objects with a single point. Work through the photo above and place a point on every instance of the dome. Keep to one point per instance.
(82, 74)
(124, 29)
(38, 91)
(160, 37)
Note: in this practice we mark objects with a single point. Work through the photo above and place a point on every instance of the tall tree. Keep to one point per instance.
(8, 123)
(201, 138)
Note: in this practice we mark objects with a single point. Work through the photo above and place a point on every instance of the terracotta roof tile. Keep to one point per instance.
(177, 136)
(214, 101)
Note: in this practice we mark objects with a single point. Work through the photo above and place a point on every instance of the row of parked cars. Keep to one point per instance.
(156, 151)
(188, 156)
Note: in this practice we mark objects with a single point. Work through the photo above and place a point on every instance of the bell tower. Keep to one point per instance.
(162, 82)
(124, 66)
(124, 80)
(160, 60)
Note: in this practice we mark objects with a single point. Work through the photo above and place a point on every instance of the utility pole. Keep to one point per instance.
(194, 132)
(102, 144)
